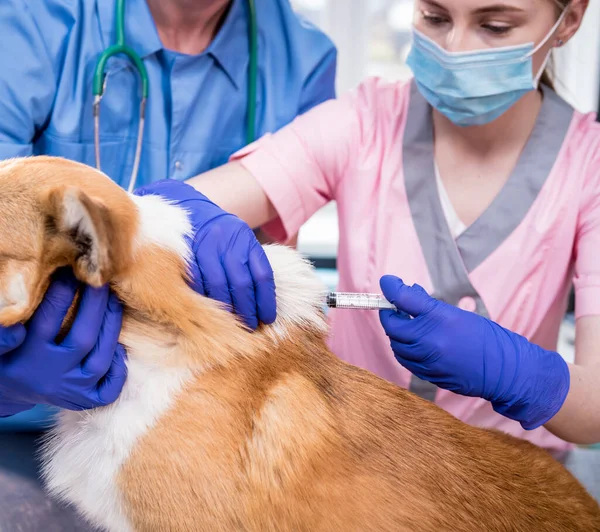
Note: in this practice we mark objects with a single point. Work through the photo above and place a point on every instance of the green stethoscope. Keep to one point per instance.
(99, 84)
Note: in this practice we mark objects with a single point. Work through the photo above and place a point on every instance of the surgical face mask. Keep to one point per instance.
(474, 87)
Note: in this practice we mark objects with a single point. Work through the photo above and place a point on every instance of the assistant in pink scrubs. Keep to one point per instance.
(492, 208)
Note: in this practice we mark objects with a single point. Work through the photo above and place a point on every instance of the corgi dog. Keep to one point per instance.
(219, 428)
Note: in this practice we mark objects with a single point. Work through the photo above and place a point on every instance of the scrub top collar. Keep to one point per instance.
(229, 48)
(451, 261)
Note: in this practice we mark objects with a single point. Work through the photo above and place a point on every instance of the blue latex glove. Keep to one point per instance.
(11, 338)
(471, 355)
(87, 369)
(231, 266)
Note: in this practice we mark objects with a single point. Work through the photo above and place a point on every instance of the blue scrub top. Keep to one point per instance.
(196, 113)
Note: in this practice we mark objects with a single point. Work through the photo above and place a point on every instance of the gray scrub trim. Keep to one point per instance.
(449, 262)
(510, 206)
(444, 262)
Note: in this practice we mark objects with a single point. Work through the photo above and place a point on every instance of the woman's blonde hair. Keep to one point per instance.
(548, 75)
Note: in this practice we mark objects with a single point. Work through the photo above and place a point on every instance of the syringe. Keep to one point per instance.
(355, 300)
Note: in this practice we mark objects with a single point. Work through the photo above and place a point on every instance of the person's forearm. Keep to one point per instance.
(578, 421)
(235, 190)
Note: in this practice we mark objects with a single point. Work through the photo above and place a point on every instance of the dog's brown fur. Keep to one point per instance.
(305, 442)
(272, 435)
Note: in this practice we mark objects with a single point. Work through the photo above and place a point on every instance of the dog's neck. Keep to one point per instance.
(164, 317)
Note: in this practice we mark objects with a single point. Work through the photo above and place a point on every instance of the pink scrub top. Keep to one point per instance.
(372, 151)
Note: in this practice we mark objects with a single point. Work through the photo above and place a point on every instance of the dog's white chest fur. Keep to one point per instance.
(83, 455)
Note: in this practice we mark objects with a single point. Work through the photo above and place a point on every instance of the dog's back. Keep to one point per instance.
(299, 441)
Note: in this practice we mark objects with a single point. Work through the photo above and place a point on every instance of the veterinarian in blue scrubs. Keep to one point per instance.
(197, 59)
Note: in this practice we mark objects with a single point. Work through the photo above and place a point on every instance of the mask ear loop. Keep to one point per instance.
(542, 43)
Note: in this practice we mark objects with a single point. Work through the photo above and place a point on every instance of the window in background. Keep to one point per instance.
(578, 63)
(313, 10)
(372, 37)
(389, 38)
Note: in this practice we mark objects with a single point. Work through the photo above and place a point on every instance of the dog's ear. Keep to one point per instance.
(82, 229)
